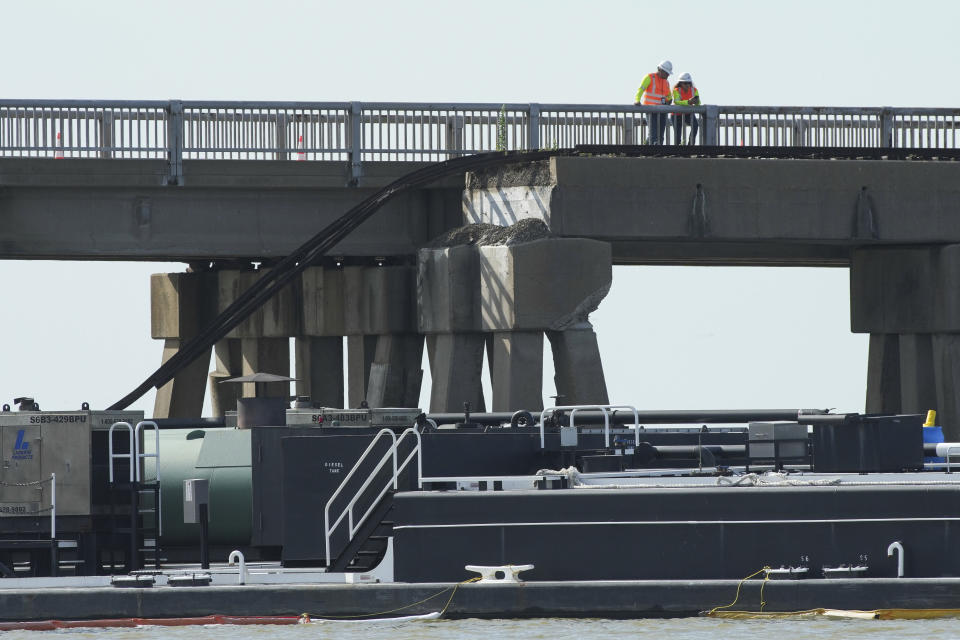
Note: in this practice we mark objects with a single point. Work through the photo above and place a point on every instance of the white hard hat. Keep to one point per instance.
(667, 66)
(685, 77)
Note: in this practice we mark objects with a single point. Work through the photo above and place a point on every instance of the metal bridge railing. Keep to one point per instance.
(359, 132)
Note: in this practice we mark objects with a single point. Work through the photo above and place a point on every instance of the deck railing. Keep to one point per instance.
(358, 132)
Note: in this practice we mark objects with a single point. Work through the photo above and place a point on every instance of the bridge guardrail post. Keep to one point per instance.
(281, 133)
(356, 142)
(455, 126)
(886, 127)
(628, 128)
(711, 120)
(533, 128)
(175, 143)
(106, 133)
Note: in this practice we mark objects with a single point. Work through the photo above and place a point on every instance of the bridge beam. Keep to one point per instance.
(111, 209)
(726, 210)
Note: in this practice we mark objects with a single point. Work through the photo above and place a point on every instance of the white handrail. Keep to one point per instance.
(354, 525)
(327, 529)
(397, 470)
(156, 454)
(156, 451)
(131, 453)
(636, 420)
(53, 507)
(606, 420)
(603, 408)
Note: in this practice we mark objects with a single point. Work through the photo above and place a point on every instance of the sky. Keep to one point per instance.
(671, 337)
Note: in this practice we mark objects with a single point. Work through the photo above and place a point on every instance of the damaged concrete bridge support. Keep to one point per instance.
(550, 284)
(448, 312)
(504, 292)
(578, 369)
(908, 300)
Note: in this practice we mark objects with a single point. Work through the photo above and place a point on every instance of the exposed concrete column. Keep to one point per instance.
(180, 304)
(319, 365)
(917, 382)
(448, 293)
(548, 284)
(266, 355)
(360, 352)
(883, 374)
(182, 397)
(319, 350)
(577, 366)
(517, 374)
(946, 348)
(265, 334)
(228, 364)
(360, 347)
(395, 373)
(456, 367)
(912, 297)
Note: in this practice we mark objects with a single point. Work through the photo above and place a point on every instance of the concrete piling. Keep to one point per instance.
(456, 366)
(228, 364)
(517, 374)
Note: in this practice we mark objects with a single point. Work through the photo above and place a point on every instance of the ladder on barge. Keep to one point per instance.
(135, 511)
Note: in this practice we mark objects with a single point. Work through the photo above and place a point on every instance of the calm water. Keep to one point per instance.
(547, 628)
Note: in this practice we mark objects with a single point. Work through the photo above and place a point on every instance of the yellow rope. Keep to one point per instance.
(360, 616)
(740, 584)
(766, 577)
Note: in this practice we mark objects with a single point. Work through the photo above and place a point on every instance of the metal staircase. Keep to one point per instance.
(135, 514)
(357, 538)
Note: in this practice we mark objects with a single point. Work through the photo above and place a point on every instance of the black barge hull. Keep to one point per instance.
(606, 599)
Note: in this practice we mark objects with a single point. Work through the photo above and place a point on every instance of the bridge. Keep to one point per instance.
(196, 181)
(223, 184)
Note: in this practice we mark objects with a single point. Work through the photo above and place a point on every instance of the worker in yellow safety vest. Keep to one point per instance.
(685, 94)
(655, 90)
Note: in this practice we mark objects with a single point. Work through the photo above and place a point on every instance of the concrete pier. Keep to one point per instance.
(906, 299)
(395, 373)
(504, 288)
(517, 373)
(180, 304)
(456, 368)
(319, 345)
(578, 368)
(319, 369)
(228, 364)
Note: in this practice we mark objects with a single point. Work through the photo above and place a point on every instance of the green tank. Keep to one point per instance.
(222, 456)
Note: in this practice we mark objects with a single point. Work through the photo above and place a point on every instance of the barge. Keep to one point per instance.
(574, 511)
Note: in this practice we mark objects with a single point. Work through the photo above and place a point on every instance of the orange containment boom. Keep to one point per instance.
(51, 625)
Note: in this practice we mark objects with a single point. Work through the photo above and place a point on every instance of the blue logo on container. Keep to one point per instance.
(21, 448)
